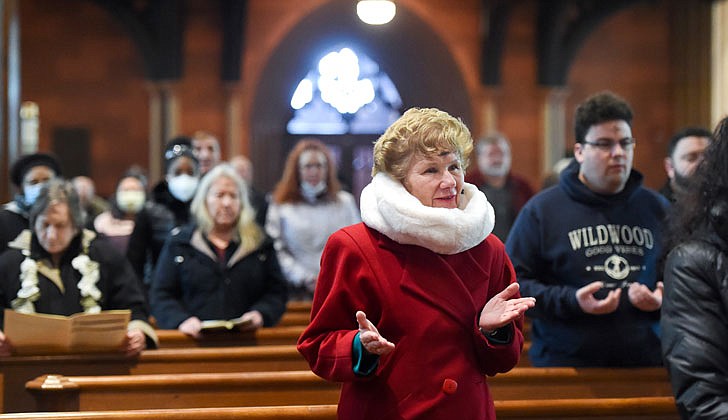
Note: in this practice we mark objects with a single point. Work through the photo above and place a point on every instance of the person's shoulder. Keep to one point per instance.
(10, 257)
(653, 197)
(102, 250)
(519, 181)
(182, 234)
(551, 195)
(357, 230)
(695, 249)
(355, 234)
(345, 196)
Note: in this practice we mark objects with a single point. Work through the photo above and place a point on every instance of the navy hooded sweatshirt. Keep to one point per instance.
(566, 237)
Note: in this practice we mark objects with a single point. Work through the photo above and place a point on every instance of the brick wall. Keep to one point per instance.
(83, 70)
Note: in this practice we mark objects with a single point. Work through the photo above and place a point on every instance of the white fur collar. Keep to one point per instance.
(389, 208)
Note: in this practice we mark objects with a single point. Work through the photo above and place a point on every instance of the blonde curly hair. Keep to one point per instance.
(424, 132)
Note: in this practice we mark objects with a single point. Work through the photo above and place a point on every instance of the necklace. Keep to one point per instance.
(89, 269)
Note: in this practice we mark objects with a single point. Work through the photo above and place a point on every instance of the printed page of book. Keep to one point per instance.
(104, 331)
(36, 334)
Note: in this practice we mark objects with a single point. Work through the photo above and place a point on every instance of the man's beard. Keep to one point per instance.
(681, 182)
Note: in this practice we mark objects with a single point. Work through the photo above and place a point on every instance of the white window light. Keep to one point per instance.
(376, 12)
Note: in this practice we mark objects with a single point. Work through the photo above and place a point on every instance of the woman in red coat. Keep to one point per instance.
(415, 306)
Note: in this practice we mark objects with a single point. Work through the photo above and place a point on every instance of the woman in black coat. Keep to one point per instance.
(62, 269)
(694, 319)
(221, 268)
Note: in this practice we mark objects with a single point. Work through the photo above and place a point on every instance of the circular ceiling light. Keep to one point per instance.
(376, 12)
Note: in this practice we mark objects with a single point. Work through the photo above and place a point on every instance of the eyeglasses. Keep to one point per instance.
(605, 145)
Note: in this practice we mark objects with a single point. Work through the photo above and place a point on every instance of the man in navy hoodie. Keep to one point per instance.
(587, 249)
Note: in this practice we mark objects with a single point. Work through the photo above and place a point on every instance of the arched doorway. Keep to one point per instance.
(416, 59)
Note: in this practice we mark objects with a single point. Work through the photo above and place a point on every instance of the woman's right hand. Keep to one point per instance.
(504, 308)
(191, 326)
(6, 349)
(370, 338)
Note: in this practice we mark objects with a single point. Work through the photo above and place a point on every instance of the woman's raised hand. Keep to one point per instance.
(502, 308)
(370, 338)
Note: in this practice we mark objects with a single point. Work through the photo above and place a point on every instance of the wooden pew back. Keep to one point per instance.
(58, 393)
(642, 408)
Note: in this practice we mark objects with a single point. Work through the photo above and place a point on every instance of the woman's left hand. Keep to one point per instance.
(134, 342)
(252, 321)
(369, 335)
(501, 309)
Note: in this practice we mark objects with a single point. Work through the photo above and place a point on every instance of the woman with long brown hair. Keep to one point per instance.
(308, 206)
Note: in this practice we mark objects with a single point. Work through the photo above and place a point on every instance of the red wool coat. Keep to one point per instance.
(428, 305)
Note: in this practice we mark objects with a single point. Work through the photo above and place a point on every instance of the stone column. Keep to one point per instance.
(163, 123)
(719, 62)
(554, 127)
(9, 90)
(234, 121)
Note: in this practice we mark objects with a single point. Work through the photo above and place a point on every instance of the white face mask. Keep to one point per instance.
(130, 201)
(183, 187)
(310, 192)
(31, 192)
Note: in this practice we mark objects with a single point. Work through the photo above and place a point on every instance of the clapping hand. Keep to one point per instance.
(370, 338)
(645, 299)
(502, 308)
(591, 305)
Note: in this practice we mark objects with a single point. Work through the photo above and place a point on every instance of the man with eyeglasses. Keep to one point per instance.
(684, 154)
(587, 250)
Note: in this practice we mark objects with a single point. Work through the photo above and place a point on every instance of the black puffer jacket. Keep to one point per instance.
(189, 281)
(695, 326)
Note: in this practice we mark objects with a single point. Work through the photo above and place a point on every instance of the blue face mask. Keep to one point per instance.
(31, 192)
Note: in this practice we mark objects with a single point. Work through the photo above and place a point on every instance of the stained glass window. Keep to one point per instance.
(346, 93)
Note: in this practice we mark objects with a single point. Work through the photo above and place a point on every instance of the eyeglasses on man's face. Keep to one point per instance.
(606, 145)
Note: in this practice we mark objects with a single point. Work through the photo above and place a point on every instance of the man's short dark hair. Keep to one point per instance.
(601, 107)
(686, 132)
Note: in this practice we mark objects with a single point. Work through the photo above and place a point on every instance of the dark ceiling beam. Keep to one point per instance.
(495, 15)
(562, 27)
(234, 14)
(157, 29)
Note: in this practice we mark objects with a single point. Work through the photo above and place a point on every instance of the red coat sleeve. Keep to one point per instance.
(345, 284)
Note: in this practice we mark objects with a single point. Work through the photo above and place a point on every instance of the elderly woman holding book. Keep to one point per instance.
(59, 268)
(222, 268)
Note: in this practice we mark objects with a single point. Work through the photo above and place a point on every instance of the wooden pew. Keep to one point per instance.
(59, 393)
(263, 336)
(567, 382)
(294, 319)
(310, 412)
(298, 306)
(17, 370)
(83, 393)
(642, 408)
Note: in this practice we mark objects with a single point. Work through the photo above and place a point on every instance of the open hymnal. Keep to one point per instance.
(79, 333)
(234, 324)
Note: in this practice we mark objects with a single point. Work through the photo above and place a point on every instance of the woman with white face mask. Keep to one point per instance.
(168, 207)
(117, 223)
(308, 205)
(29, 174)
